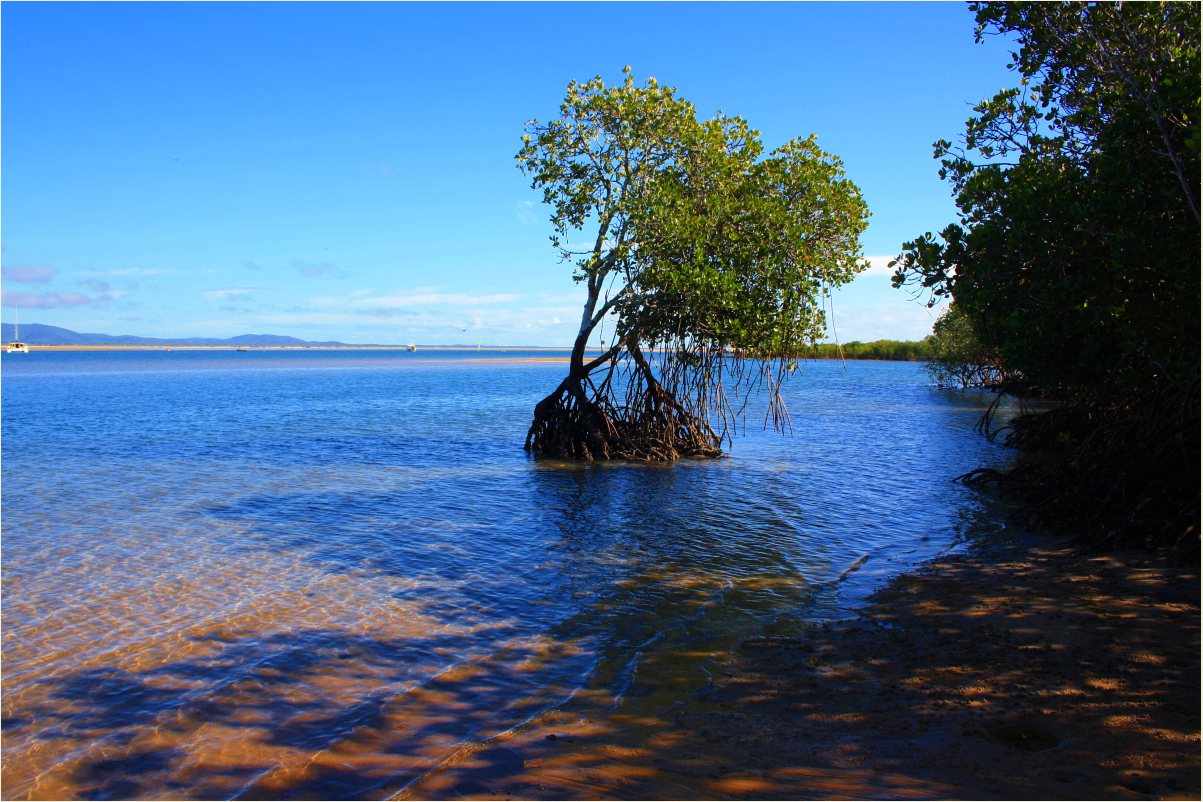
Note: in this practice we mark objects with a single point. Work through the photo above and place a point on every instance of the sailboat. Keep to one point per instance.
(16, 346)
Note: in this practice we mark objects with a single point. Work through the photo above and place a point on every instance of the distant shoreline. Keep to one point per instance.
(822, 356)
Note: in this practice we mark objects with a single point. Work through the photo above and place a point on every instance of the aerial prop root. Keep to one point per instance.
(1130, 477)
(652, 426)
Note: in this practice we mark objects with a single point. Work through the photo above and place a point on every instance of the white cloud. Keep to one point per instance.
(525, 212)
(879, 266)
(239, 292)
(526, 319)
(310, 269)
(46, 300)
(577, 298)
(134, 270)
(891, 321)
(492, 322)
(433, 298)
(28, 274)
(312, 319)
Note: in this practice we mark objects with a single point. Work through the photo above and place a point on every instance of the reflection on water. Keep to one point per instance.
(324, 574)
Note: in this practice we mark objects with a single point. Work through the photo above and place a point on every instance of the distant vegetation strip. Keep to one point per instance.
(891, 350)
(41, 334)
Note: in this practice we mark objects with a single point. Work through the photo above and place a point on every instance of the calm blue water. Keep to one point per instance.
(323, 573)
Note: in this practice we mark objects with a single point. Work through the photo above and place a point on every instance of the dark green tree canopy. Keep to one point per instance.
(704, 250)
(1076, 255)
(1076, 261)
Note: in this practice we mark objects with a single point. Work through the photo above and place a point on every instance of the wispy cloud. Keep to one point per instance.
(879, 266)
(577, 298)
(230, 294)
(497, 320)
(28, 274)
(434, 298)
(251, 266)
(45, 300)
(310, 319)
(94, 285)
(135, 271)
(894, 321)
(525, 212)
(441, 314)
(309, 269)
(517, 321)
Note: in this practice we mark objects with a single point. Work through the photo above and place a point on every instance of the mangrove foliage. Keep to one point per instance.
(709, 257)
(1075, 260)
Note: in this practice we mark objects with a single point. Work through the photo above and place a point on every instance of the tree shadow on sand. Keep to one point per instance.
(311, 713)
(327, 713)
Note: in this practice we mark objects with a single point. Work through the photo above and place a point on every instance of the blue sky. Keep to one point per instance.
(346, 171)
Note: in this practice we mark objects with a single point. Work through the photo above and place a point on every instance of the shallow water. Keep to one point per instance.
(322, 574)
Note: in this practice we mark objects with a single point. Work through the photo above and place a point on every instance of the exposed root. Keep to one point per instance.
(582, 420)
(661, 406)
(1131, 477)
(570, 425)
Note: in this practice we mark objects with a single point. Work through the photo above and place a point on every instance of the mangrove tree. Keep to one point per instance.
(710, 259)
(1076, 258)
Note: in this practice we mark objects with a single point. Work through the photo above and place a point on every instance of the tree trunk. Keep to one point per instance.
(582, 421)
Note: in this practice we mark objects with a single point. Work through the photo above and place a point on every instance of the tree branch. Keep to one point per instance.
(1158, 118)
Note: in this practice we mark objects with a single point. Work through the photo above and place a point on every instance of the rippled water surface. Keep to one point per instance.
(322, 574)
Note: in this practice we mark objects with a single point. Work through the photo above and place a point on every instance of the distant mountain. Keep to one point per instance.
(38, 334)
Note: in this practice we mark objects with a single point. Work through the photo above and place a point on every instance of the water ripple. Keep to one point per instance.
(299, 574)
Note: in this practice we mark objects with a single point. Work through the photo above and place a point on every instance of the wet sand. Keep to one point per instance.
(1018, 670)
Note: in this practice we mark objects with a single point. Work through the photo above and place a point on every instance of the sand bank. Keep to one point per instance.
(1019, 670)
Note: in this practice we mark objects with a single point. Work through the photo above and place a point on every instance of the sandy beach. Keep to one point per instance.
(1017, 670)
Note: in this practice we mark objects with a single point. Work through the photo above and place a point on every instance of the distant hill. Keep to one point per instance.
(38, 334)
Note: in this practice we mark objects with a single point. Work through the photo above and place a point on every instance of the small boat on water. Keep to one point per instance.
(244, 348)
(411, 347)
(16, 346)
